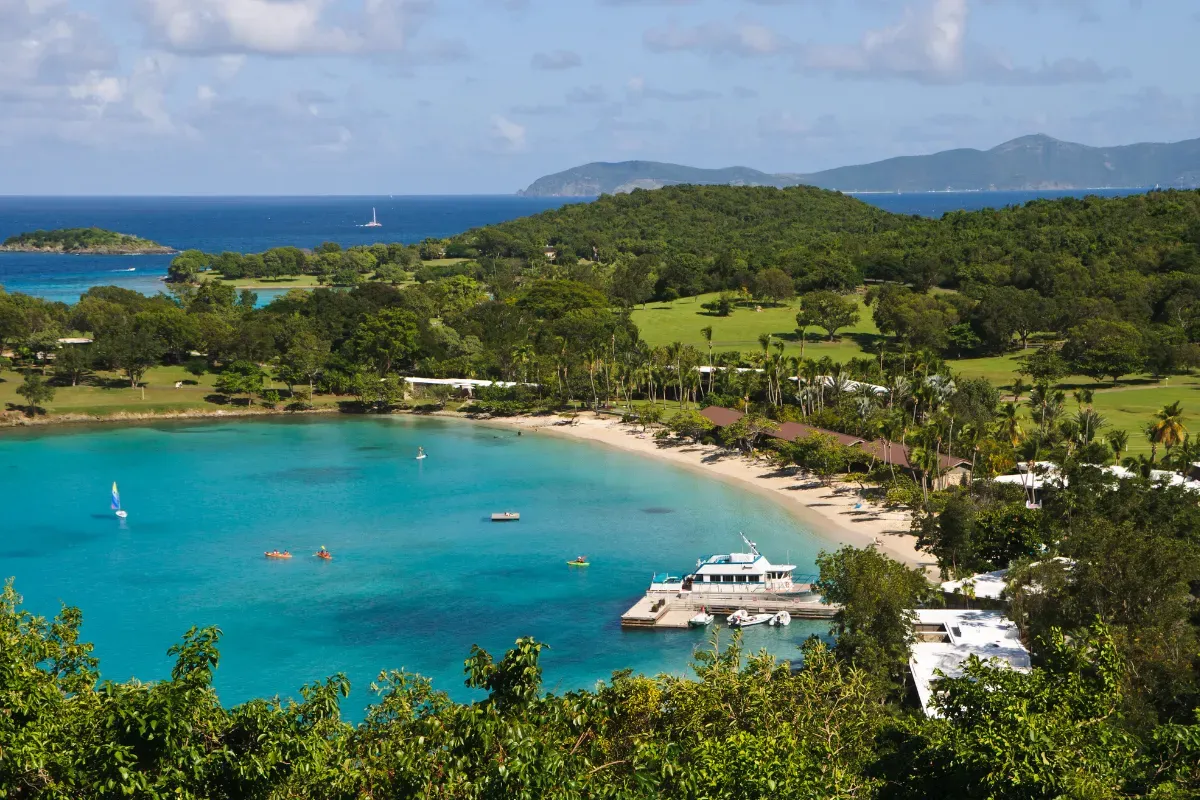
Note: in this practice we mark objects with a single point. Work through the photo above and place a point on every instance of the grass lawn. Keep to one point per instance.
(286, 282)
(1127, 405)
(109, 393)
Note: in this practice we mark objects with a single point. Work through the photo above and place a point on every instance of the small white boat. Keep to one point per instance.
(782, 618)
(743, 619)
(701, 620)
(506, 516)
(116, 503)
(374, 223)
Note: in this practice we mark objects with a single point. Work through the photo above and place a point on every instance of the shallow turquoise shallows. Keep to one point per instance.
(419, 572)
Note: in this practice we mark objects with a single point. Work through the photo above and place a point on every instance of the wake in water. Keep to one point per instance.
(127, 269)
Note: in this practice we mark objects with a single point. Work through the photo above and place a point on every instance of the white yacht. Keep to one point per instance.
(730, 573)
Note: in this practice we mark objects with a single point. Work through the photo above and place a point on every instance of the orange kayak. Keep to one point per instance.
(278, 555)
(326, 556)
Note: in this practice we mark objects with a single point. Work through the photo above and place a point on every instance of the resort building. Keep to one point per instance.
(881, 450)
(947, 637)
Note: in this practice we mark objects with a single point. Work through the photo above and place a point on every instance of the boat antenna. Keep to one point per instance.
(753, 547)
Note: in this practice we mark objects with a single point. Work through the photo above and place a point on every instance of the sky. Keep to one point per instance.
(235, 97)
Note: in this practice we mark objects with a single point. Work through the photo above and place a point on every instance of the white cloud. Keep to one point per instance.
(279, 27)
(507, 135)
(741, 38)
(556, 60)
(928, 43)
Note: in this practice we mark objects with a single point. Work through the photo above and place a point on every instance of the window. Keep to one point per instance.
(755, 578)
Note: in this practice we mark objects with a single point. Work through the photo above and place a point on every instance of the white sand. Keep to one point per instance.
(829, 512)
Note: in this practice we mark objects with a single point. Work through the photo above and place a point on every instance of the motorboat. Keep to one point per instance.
(506, 516)
(701, 620)
(782, 618)
(730, 573)
(742, 619)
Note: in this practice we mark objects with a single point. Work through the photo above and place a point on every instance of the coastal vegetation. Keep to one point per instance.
(985, 343)
(80, 241)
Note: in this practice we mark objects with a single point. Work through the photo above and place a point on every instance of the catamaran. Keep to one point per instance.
(374, 223)
(116, 502)
(730, 573)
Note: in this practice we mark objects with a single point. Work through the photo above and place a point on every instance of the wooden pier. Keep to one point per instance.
(673, 610)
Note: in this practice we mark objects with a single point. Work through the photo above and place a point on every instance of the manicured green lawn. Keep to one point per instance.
(108, 393)
(681, 321)
(287, 282)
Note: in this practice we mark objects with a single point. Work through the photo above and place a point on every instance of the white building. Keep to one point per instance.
(946, 638)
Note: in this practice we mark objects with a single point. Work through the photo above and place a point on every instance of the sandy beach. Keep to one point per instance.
(837, 514)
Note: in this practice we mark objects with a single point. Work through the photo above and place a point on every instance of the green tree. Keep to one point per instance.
(774, 285)
(828, 310)
(36, 390)
(1102, 348)
(304, 360)
(876, 595)
(74, 362)
(386, 339)
(241, 377)
(133, 352)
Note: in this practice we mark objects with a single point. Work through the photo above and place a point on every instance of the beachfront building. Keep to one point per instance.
(881, 450)
(946, 638)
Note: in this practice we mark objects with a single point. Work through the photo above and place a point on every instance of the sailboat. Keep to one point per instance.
(116, 503)
(374, 223)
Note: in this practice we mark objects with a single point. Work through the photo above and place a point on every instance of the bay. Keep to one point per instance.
(419, 575)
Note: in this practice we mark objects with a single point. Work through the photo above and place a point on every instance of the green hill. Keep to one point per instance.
(599, 178)
(1025, 164)
(701, 219)
(81, 240)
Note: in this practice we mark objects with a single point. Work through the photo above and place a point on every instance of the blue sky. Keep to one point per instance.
(484, 96)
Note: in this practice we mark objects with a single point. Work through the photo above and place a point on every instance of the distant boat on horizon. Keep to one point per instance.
(374, 223)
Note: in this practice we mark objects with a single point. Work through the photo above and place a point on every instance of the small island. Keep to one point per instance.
(82, 241)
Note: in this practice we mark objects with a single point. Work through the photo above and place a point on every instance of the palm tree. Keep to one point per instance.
(1009, 426)
(1166, 429)
(1019, 388)
(707, 333)
(1118, 441)
(1183, 455)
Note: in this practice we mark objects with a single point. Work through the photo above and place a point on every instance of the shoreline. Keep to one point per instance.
(836, 514)
(828, 512)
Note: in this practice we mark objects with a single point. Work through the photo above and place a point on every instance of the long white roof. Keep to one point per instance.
(986, 634)
(1046, 473)
(739, 564)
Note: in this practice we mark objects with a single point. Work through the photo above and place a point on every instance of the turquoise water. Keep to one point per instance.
(419, 574)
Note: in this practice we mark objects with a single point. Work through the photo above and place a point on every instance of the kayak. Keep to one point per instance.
(580, 563)
(326, 556)
(278, 555)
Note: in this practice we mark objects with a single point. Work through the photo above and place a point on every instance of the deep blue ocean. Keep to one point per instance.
(254, 224)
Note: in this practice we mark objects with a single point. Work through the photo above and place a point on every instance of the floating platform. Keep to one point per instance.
(670, 610)
(506, 516)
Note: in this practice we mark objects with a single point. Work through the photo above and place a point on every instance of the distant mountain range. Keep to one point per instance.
(1029, 163)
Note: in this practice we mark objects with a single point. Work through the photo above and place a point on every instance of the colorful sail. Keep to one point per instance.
(116, 498)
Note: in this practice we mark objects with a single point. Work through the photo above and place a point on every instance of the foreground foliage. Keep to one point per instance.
(744, 727)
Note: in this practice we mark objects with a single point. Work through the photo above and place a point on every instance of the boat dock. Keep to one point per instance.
(673, 610)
